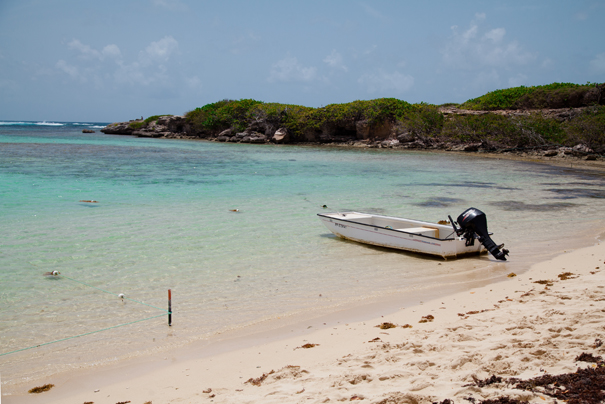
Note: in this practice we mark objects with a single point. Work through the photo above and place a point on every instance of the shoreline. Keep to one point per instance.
(347, 351)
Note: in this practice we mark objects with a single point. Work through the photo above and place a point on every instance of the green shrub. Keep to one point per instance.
(555, 95)
(221, 115)
(499, 130)
(136, 124)
(588, 128)
(422, 120)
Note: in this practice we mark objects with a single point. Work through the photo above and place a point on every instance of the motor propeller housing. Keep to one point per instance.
(473, 224)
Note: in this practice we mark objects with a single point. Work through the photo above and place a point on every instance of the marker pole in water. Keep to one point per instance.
(169, 307)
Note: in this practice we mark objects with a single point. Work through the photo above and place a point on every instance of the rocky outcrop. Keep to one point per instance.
(168, 126)
(360, 133)
(119, 128)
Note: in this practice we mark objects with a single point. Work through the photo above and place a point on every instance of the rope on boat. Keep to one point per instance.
(169, 312)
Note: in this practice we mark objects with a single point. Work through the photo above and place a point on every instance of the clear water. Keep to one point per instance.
(164, 220)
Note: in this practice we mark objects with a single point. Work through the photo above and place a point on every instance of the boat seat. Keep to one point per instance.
(425, 231)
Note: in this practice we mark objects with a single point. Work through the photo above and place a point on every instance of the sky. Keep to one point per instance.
(109, 61)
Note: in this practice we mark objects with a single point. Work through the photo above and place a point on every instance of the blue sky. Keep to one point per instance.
(81, 60)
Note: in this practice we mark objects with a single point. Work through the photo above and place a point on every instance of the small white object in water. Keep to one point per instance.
(55, 273)
(121, 295)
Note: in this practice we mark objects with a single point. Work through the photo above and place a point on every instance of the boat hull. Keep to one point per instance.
(398, 233)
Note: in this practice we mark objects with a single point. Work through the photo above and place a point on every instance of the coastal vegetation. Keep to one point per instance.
(555, 95)
(518, 118)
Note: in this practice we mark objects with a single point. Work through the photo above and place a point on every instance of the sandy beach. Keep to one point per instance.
(529, 325)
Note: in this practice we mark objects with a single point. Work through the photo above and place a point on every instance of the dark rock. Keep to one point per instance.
(88, 131)
(118, 128)
(406, 137)
(256, 137)
(225, 133)
(140, 133)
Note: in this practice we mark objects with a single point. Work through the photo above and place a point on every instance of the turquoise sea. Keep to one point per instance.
(163, 220)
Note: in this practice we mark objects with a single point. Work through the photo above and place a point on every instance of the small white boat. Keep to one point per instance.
(444, 240)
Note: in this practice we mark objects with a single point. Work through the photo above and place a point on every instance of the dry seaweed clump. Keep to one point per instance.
(386, 326)
(41, 389)
(259, 380)
(307, 346)
(427, 319)
(585, 386)
(566, 275)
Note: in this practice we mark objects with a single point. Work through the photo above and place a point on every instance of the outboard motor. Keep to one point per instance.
(473, 224)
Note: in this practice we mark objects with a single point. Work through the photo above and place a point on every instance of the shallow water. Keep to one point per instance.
(163, 220)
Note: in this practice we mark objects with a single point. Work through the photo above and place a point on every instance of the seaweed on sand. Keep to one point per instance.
(41, 389)
(259, 380)
(386, 326)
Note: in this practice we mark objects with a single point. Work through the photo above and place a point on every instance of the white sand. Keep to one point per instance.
(527, 330)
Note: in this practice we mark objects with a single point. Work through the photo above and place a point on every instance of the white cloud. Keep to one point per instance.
(112, 51)
(382, 81)
(598, 63)
(86, 52)
(471, 49)
(73, 71)
(150, 69)
(159, 51)
(496, 35)
(334, 60)
(289, 69)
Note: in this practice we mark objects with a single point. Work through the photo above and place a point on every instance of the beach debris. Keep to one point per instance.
(41, 389)
(207, 391)
(301, 391)
(123, 402)
(259, 380)
(89, 201)
(377, 339)
(586, 386)
(147, 402)
(512, 275)
(588, 357)
(386, 326)
(482, 383)
(307, 346)
(89, 402)
(567, 275)
(598, 342)
(406, 326)
(53, 273)
(325, 206)
(233, 210)
(427, 319)
(544, 282)
(121, 295)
